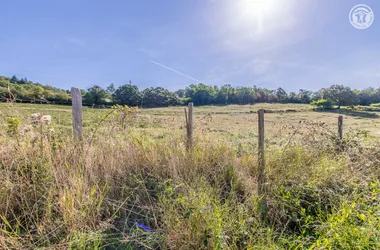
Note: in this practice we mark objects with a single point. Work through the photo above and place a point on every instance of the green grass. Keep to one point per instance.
(133, 167)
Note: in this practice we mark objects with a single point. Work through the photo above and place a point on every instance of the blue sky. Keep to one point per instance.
(292, 44)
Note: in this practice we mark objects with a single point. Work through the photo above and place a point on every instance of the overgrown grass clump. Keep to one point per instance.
(123, 189)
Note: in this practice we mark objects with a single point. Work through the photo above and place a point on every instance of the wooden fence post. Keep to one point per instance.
(340, 127)
(76, 97)
(261, 189)
(189, 126)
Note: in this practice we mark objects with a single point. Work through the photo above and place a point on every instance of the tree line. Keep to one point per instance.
(28, 91)
(199, 94)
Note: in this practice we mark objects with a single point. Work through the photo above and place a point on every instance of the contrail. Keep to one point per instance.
(175, 71)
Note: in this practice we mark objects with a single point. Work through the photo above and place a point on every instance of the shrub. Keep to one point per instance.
(366, 108)
(322, 104)
(13, 125)
(375, 105)
(124, 115)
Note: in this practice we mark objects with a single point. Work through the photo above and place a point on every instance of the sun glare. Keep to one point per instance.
(258, 6)
(256, 15)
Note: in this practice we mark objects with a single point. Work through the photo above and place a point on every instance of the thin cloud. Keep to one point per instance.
(175, 71)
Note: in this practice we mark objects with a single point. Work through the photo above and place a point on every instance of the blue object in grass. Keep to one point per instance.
(143, 227)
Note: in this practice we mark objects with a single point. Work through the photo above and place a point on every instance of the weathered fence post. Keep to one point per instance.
(261, 166)
(76, 97)
(189, 126)
(340, 127)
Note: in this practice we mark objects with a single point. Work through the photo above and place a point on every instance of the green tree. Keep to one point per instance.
(36, 91)
(221, 96)
(244, 95)
(14, 79)
(23, 81)
(111, 92)
(271, 96)
(282, 96)
(340, 95)
(180, 93)
(128, 94)
(292, 97)
(317, 95)
(265, 95)
(368, 96)
(3, 93)
(200, 94)
(158, 97)
(304, 96)
(111, 89)
(83, 92)
(95, 95)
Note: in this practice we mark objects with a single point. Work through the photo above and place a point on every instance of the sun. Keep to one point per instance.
(254, 7)
(256, 14)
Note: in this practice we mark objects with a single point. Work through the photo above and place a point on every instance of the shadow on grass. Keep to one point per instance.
(356, 113)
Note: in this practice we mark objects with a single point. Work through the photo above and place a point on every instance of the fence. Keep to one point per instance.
(189, 117)
(76, 97)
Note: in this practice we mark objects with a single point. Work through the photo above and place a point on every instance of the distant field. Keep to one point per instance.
(229, 122)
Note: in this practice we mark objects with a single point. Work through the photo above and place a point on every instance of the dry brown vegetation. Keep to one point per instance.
(323, 193)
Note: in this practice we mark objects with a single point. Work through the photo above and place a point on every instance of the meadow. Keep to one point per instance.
(131, 183)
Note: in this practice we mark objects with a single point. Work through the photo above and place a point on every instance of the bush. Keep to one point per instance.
(366, 108)
(13, 125)
(322, 104)
(375, 105)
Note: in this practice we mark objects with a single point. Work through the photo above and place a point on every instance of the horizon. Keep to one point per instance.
(290, 44)
(174, 90)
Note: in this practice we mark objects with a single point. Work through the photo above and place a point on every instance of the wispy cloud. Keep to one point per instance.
(175, 71)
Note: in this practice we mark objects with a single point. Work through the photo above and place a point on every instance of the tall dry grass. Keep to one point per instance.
(60, 194)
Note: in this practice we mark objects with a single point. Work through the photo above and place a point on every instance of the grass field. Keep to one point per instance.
(227, 121)
(132, 169)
